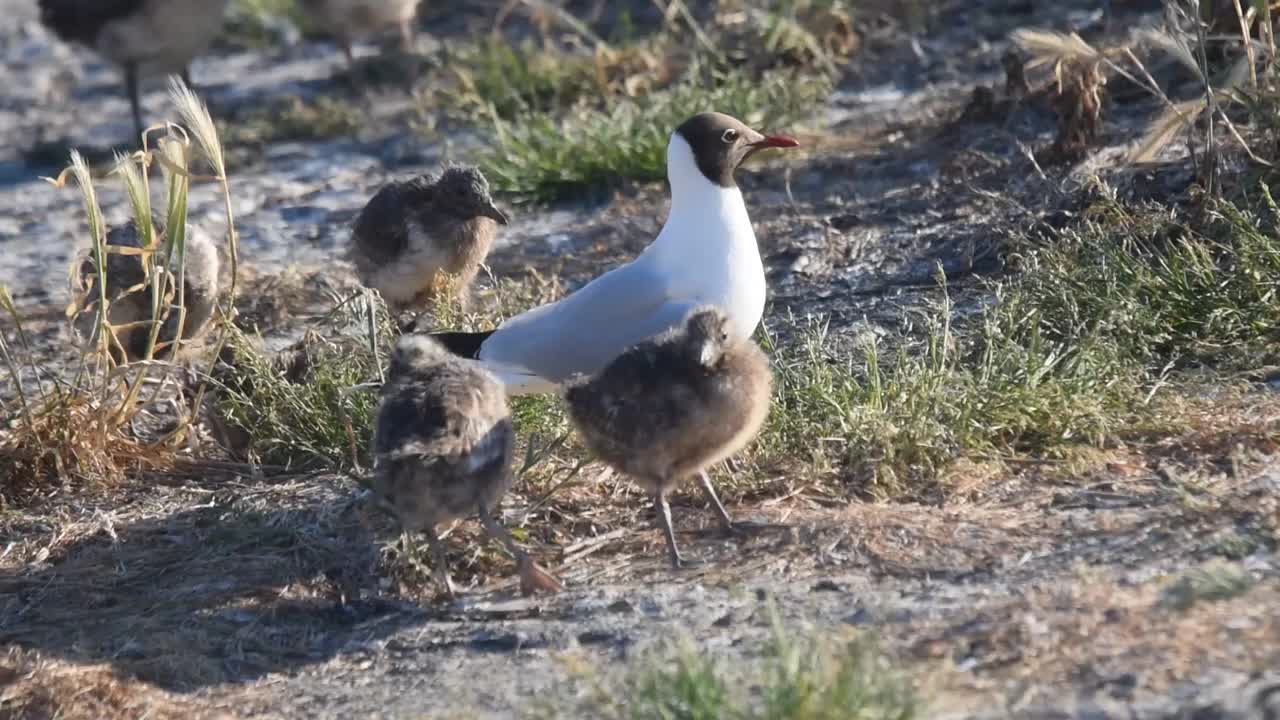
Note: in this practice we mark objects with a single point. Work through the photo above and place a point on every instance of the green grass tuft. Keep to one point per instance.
(545, 158)
(254, 24)
(1162, 291)
(1213, 582)
(900, 418)
(495, 76)
(798, 677)
(1077, 348)
(310, 421)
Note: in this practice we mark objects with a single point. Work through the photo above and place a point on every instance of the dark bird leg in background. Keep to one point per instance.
(131, 85)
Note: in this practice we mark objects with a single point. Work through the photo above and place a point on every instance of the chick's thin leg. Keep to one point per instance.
(663, 511)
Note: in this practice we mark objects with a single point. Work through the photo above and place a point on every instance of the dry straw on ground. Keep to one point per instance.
(78, 428)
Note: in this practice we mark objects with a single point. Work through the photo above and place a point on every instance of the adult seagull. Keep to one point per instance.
(706, 254)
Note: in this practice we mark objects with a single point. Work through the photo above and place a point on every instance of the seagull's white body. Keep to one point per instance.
(707, 248)
(706, 254)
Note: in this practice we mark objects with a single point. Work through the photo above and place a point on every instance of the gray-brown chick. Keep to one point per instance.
(674, 405)
(129, 300)
(442, 447)
(418, 237)
(348, 20)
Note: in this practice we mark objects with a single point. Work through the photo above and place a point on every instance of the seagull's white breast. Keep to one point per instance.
(707, 249)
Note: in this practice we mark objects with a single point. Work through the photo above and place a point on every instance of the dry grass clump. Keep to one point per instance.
(804, 34)
(1078, 103)
(37, 688)
(79, 427)
(1075, 90)
(75, 439)
(1228, 48)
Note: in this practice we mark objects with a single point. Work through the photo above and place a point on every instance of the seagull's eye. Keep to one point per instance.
(729, 135)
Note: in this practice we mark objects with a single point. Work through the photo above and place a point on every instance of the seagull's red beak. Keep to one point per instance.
(777, 141)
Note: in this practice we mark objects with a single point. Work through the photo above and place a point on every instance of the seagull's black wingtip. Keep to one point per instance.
(462, 344)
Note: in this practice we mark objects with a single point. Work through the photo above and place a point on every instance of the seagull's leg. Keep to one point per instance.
(135, 103)
(345, 44)
(663, 511)
(440, 563)
(532, 577)
(726, 522)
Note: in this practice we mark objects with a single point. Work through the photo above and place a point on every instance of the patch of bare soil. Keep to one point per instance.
(1132, 581)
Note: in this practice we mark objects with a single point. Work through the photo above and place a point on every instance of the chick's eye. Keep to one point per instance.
(729, 135)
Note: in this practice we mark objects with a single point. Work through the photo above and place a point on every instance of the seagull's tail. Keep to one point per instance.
(462, 344)
(517, 380)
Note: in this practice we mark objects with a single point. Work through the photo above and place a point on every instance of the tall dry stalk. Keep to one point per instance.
(84, 432)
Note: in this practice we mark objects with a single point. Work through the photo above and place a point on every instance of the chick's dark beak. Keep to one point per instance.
(492, 211)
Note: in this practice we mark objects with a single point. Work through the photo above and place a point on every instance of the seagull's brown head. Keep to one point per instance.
(465, 192)
(721, 143)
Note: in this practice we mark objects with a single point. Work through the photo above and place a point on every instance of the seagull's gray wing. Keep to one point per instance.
(584, 331)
